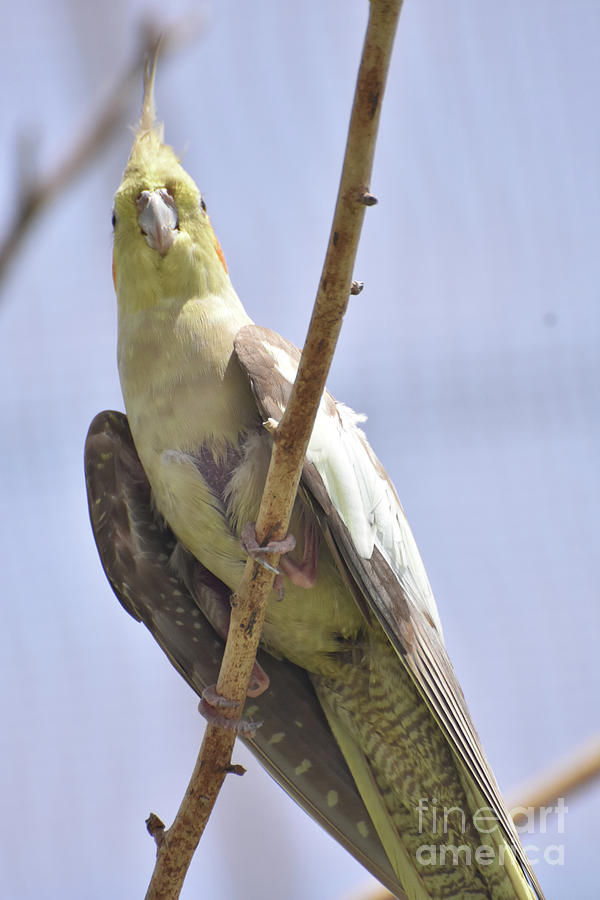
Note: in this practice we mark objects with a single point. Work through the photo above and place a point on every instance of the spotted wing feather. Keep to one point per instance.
(136, 548)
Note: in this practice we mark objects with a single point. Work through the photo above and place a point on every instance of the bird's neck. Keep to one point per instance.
(179, 374)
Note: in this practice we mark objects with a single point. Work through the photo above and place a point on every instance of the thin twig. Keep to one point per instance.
(566, 777)
(36, 192)
(289, 448)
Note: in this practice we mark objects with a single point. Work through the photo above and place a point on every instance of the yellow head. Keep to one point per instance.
(164, 245)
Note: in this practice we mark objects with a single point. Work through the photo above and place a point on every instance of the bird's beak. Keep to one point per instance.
(158, 219)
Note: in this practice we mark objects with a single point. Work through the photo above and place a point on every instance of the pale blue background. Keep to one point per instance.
(473, 349)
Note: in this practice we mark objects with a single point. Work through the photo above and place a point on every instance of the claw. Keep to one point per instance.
(254, 549)
(216, 701)
(211, 702)
(302, 574)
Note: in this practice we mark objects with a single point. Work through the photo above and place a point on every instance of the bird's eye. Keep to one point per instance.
(202, 205)
(113, 219)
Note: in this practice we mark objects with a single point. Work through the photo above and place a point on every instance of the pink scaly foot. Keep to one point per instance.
(302, 574)
(209, 705)
(253, 548)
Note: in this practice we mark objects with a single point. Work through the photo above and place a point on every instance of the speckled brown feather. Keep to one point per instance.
(136, 548)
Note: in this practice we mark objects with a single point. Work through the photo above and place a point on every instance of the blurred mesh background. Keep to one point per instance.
(473, 349)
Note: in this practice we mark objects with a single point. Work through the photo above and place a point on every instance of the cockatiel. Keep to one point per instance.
(364, 722)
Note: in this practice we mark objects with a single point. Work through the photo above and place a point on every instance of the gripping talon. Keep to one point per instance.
(262, 562)
(216, 701)
(253, 548)
(304, 573)
(207, 708)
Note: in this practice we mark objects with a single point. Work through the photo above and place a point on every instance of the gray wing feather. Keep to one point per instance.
(395, 593)
(136, 548)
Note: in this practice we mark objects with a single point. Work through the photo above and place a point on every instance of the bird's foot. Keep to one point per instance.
(209, 705)
(254, 549)
(302, 574)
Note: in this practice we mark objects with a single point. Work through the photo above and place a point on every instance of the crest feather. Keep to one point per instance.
(148, 118)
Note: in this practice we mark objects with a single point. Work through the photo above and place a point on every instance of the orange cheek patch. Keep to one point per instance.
(220, 254)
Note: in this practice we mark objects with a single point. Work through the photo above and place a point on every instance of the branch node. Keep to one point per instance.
(156, 828)
(235, 769)
(367, 199)
(356, 287)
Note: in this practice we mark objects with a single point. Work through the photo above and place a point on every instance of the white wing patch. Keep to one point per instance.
(361, 491)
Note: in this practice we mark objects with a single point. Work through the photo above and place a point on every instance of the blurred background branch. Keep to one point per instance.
(572, 774)
(36, 190)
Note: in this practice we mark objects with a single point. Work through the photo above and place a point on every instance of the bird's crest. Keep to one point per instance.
(149, 153)
(148, 117)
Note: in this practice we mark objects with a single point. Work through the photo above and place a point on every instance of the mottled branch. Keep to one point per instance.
(289, 448)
